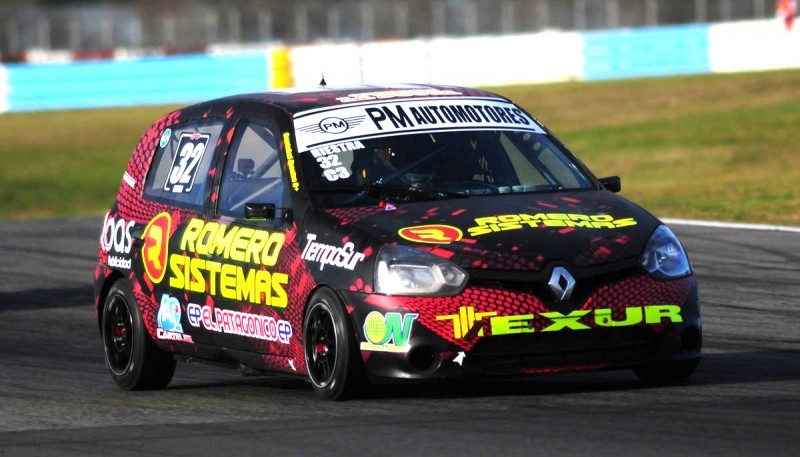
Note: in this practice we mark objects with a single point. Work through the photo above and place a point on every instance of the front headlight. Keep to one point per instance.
(402, 270)
(664, 257)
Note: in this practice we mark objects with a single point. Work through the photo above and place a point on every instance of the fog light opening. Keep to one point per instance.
(422, 358)
(691, 340)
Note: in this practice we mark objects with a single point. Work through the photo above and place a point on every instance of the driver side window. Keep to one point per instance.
(252, 172)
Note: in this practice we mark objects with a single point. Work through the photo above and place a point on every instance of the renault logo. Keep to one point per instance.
(561, 283)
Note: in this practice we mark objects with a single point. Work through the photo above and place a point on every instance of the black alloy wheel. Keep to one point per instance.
(133, 359)
(332, 357)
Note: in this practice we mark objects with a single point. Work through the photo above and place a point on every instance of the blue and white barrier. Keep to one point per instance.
(477, 61)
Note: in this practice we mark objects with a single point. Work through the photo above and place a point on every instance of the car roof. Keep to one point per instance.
(303, 99)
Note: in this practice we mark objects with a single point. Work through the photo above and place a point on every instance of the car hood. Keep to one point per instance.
(521, 232)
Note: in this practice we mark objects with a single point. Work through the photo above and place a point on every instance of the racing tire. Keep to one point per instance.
(333, 360)
(666, 372)
(132, 358)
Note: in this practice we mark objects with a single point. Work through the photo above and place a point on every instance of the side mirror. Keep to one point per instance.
(259, 211)
(265, 212)
(611, 183)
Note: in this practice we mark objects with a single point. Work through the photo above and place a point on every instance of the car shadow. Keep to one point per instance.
(60, 297)
(746, 367)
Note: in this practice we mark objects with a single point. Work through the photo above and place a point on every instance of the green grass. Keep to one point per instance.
(723, 147)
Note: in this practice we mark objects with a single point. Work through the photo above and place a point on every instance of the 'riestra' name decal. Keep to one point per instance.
(491, 224)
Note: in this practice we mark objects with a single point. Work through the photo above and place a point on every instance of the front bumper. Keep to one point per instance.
(497, 332)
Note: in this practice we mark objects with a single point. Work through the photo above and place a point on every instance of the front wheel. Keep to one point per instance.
(332, 357)
(132, 358)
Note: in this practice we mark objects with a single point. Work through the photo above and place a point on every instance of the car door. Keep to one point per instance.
(245, 244)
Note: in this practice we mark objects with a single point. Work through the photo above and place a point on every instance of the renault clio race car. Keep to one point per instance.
(375, 234)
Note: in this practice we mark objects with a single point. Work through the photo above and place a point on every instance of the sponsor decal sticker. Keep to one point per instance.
(469, 324)
(325, 254)
(432, 233)
(316, 128)
(287, 144)
(501, 223)
(239, 323)
(169, 320)
(156, 246)
(333, 125)
(328, 159)
(186, 162)
(115, 239)
(165, 138)
(245, 280)
(388, 333)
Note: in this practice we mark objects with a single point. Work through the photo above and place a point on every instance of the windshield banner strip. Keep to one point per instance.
(410, 116)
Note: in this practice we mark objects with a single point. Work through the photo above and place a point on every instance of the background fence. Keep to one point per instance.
(478, 61)
(185, 25)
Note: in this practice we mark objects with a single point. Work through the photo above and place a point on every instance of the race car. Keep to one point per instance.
(376, 234)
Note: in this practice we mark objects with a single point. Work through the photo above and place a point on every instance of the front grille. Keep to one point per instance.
(587, 281)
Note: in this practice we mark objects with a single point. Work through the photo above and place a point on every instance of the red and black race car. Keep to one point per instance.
(371, 234)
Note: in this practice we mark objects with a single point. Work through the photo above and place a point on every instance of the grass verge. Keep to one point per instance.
(720, 147)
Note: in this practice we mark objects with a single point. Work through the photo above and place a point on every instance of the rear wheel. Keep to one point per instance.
(666, 372)
(332, 358)
(132, 358)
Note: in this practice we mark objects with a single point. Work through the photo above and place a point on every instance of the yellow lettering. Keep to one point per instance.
(256, 246)
(227, 281)
(176, 264)
(221, 245)
(213, 270)
(190, 234)
(581, 224)
(579, 217)
(486, 220)
(456, 323)
(198, 282)
(270, 255)
(604, 318)
(262, 288)
(534, 217)
(239, 245)
(624, 222)
(245, 285)
(506, 325)
(203, 243)
(280, 300)
(480, 230)
(561, 321)
(655, 313)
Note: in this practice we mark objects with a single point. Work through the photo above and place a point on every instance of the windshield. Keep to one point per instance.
(440, 165)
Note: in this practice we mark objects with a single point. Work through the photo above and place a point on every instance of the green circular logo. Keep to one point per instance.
(375, 328)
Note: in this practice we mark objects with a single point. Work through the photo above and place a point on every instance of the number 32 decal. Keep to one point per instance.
(332, 169)
(191, 148)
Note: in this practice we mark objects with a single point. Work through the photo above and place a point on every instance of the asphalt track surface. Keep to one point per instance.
(57, 399)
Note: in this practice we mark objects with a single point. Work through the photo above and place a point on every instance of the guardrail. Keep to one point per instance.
(485, 61)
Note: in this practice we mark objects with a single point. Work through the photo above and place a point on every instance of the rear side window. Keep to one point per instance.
(179, 172)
